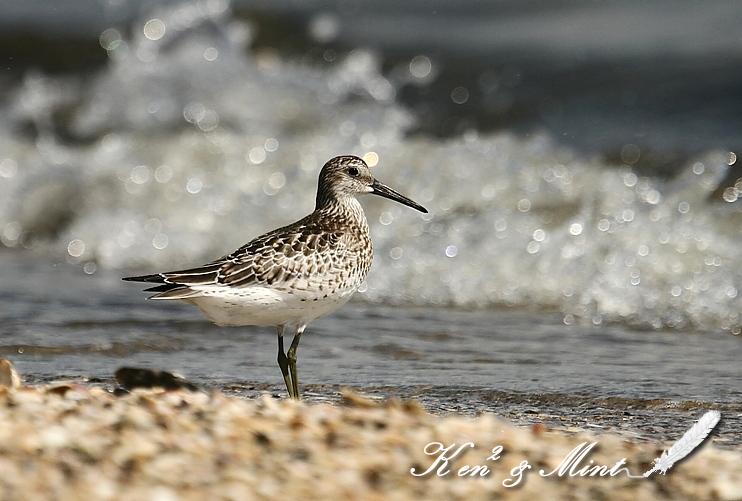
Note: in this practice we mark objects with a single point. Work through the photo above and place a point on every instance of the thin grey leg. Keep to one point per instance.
(283, 363)
(292, 360)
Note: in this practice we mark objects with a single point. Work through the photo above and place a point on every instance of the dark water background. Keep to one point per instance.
(609, 300)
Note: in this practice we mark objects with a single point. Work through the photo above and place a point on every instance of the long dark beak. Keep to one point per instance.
(385, 191)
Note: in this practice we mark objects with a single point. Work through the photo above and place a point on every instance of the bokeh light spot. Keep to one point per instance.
(371, 158)
(420, 66)
(76, 248)
(460, 95)
(154, 29)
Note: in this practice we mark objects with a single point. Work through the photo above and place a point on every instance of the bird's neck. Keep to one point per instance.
(345, 208)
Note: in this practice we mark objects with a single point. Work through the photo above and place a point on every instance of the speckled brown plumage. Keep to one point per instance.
(294, 274)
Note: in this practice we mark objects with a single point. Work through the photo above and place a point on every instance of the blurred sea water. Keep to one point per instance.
(186, 143)
(578, 161)
(529, 367)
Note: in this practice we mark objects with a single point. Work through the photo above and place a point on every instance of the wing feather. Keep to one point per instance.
(305, 254)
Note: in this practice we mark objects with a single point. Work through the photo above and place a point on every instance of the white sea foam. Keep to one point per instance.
(187, 145)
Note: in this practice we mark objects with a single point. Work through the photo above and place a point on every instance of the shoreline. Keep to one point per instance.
(75, 441)
(636, 419)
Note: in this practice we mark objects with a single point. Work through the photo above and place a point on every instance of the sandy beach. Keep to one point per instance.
(72, 441)
(571, 303)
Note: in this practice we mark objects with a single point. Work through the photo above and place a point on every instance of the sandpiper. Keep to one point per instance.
(292, 275)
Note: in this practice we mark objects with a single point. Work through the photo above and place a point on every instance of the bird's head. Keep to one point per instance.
(348, 176)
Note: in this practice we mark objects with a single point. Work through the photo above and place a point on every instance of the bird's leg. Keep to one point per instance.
(292, 360)
(283, 363)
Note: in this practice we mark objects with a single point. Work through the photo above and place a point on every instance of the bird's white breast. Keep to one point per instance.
(261, 305)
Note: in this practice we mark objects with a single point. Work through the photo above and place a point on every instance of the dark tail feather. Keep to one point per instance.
(156, 278)
(194, 276)
(163, 288)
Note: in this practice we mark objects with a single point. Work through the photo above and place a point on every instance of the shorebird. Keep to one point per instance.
(294, 274)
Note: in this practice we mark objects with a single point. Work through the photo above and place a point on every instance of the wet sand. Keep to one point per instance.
(74, 441)
(634, 419)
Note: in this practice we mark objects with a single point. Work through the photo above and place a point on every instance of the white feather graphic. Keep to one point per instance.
(685, 445)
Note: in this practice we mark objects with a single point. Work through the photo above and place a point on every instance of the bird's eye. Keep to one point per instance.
(353, 171)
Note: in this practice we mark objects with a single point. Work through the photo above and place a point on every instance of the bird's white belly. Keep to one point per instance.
(257, 305)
